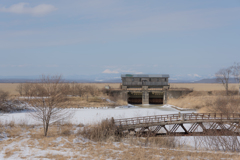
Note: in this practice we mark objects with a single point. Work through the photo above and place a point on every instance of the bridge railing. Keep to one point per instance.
(176, 117)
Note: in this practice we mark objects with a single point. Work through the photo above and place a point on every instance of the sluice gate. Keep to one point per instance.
(148, 89)
(188, 124)
(149, 97)
(145, 82)
(156, 97)
(135, 98)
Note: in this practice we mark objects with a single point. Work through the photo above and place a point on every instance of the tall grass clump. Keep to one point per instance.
(166, 142)
(227, 104)
(102, 131)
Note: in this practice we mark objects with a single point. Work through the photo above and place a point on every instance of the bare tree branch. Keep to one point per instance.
(236, 74)
(3, 99)
(49, 103)
(223, 76)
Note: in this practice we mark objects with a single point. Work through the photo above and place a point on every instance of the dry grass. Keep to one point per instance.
(61, 146)
(8, 152)
(11, 87)
(197, 102)
(121, 102)
(54, 156)
(203, 101)
(88, 101)
(203, 86)
(103, 131)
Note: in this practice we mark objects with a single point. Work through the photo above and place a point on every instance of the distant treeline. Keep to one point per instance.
(66, 81)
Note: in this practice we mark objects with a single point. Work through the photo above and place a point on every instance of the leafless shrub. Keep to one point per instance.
(74, 89)
(19, 89)
(66, 132)
(101, 131)
(80, 90)
(51, 107)
(3, 95)
(27, 89)
(106, 91)
(218, 142)
(165, 142)
(223, 76)
(92, 90)
(3, 101)
(236, 74)
(12, 124)
(226, 105)
(66, 89)
(30, 89)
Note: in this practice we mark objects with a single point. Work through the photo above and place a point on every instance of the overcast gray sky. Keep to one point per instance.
(181, 38)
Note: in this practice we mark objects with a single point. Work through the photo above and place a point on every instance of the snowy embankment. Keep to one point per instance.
(92, 115)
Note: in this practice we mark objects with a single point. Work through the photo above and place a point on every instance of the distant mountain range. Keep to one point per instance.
(101, 79)
(214, 80)
(98, 78)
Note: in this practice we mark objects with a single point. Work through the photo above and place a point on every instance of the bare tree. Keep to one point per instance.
(236, 74)
(3, 95)
(19, 89)
(3, 98)
(80, 90)
(50, 104)
(223, 76)
(1, 109)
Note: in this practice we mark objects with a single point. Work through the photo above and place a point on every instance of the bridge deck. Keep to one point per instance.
(226, 122)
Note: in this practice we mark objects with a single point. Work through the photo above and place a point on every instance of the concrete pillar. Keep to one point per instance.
(165, 97)
(145, 95)
(124, 87)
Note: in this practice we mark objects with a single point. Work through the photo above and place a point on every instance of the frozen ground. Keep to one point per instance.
(86, 116)
(76, 147)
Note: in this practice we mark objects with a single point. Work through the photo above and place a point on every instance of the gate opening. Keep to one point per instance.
(135, 100)
(155, 101)
(156, 98)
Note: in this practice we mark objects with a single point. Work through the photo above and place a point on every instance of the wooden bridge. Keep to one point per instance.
(187, 124)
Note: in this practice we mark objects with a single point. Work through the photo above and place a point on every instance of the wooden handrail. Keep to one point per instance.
(176, 117)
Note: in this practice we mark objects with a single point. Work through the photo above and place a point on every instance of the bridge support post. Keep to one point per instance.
(185, 130)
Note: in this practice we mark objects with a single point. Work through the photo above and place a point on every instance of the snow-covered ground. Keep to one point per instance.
(24, 146)
(86, 116)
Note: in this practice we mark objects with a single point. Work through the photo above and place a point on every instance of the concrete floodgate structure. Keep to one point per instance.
(145, 88)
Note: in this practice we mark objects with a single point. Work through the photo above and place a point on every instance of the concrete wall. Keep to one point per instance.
(145, 94)
(177, 93)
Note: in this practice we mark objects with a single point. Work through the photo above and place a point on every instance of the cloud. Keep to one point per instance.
(109, 71)
(24, 8)
(194, 75)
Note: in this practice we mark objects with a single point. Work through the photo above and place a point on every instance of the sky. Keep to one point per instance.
(109, 37)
